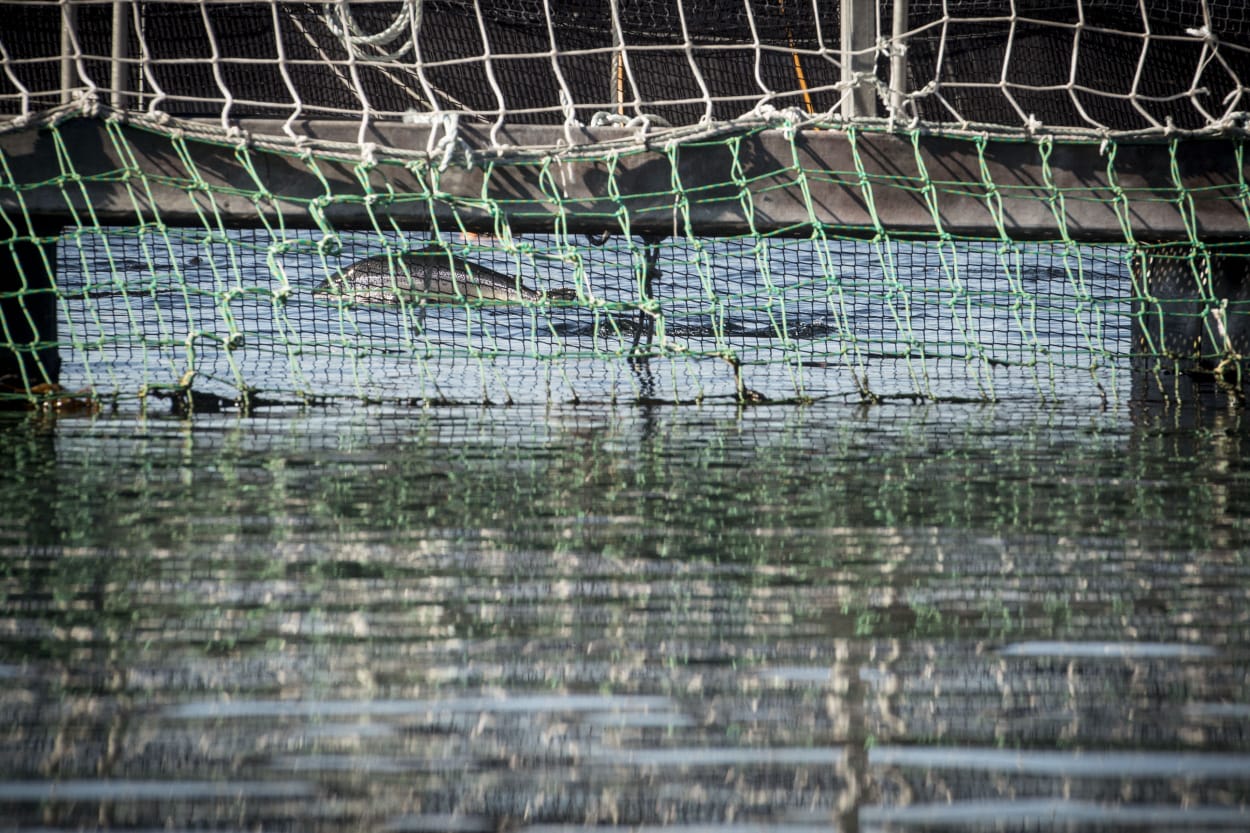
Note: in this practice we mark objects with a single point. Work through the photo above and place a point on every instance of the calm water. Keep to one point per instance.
(889, 618)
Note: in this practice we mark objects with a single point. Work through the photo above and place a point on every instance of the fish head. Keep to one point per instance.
(332, 285)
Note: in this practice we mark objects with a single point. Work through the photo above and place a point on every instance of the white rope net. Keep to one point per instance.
(1107, 68)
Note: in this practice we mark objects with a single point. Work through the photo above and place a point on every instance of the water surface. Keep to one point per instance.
(946, 617)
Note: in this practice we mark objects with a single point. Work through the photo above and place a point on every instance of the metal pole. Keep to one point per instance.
(898, 60)
(859, 41)
(119, 76)
(69, 25)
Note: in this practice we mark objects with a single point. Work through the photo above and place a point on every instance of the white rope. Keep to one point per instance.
(215, 63)
(1178, 70)
(407, 19)
(289, 126)
(444, 141)
(23, 112)
(687, 46)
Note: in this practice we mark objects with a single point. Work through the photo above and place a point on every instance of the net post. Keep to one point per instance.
(898, 59)
(69, 25)
(119, 73)
(859, 39)
(28, 327)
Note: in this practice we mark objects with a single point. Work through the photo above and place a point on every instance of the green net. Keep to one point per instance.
(247, 203)
(291, 306)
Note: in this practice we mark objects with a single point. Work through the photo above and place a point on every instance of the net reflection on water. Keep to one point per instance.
(869, 619)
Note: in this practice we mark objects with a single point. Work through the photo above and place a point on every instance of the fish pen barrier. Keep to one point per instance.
(253, 203)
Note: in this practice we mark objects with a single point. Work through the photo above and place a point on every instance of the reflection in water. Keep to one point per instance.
(869, 619)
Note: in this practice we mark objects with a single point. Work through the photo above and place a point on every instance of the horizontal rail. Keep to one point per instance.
(859, 184)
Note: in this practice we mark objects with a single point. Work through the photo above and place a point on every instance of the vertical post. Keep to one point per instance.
(119, 75)
(618, 62)
(859, 43)
(69, 72)
(898, 60)
(28, 351)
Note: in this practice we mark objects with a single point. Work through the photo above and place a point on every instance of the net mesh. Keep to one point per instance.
(1101, 66)
(143, 270)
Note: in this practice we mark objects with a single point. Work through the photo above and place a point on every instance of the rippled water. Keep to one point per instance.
(887, 618)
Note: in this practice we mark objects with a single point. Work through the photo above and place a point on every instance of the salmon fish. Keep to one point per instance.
(431, 274)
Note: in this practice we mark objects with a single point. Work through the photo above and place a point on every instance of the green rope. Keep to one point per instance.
(232, 296)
